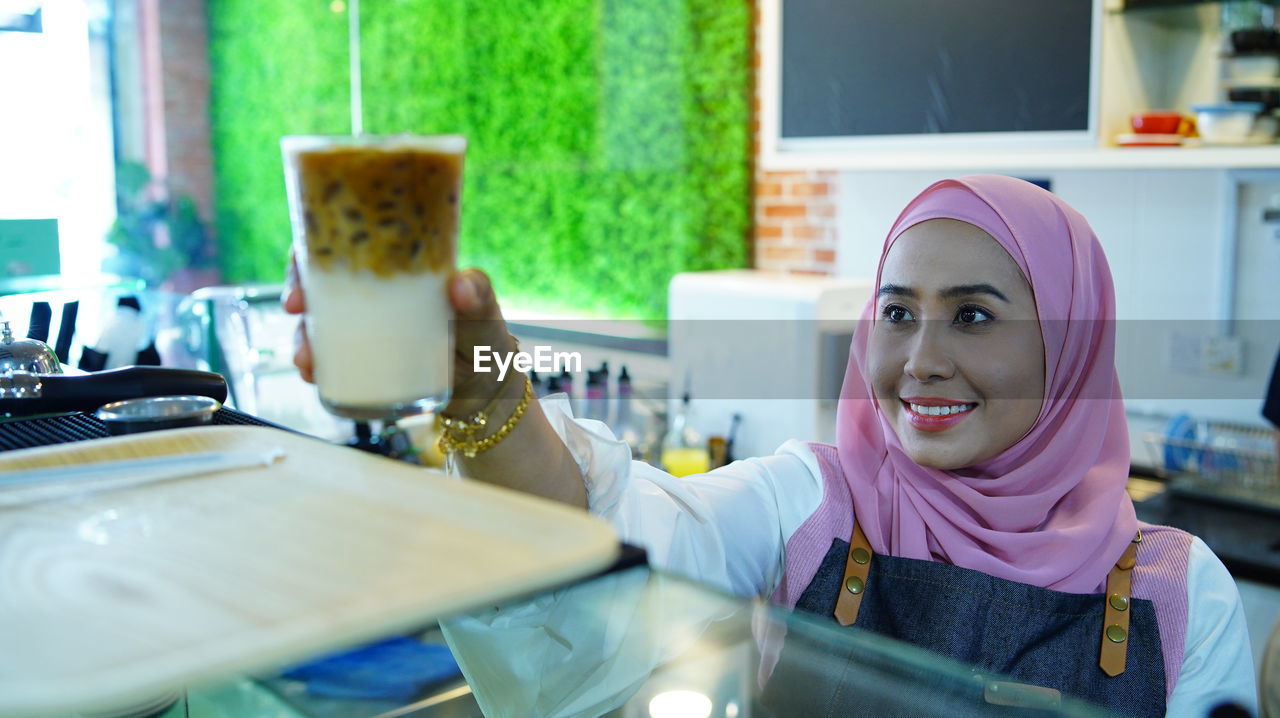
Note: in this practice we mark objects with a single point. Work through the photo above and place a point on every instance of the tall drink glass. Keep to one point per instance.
(375, 228)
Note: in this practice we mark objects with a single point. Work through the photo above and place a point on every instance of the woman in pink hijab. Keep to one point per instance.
(974, 503)
(982, 443)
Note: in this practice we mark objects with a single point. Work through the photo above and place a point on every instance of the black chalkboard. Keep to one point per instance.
(858, 68)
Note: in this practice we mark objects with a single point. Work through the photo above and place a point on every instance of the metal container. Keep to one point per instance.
(29, 355)
(157, 412)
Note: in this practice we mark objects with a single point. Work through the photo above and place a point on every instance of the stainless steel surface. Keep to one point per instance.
(26, 354)
(457, 702)
(19, 385)
(157, 412)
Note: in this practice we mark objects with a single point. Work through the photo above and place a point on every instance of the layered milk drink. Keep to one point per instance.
(375, 225)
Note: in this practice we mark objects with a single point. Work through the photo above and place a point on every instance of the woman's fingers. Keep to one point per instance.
(479, 319)
(302, 353)
(478, 328)
(472, 295)
(294, 301)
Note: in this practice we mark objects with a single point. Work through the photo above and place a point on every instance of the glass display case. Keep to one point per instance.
(639, 643)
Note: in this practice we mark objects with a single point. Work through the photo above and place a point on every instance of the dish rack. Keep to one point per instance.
(1218, 461)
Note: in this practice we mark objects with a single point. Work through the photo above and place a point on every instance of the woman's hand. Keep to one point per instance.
(478, 322)
(532, 458)
(295, 302)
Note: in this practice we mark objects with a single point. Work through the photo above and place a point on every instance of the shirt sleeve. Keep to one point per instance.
(1217, 664)
(726, 528)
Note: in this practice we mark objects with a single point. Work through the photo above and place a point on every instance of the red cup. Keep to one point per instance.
(1160, 123)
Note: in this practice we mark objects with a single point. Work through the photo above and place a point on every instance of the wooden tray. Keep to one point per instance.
(112, 597)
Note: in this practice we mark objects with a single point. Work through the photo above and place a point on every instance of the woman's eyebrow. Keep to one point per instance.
(966, 290)
(896, 290)
(960, 290)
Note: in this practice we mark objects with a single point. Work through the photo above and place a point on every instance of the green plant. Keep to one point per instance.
(608, 139)
(156, 233)
(276, 68)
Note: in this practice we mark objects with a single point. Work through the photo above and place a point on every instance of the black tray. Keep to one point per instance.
(29, 432)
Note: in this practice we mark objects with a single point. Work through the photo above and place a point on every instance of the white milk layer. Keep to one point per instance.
(378, 341)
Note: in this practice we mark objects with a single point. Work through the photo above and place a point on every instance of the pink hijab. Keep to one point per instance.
(1051, 510)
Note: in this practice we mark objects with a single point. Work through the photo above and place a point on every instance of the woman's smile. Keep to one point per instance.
(956, 356)
(933, 415)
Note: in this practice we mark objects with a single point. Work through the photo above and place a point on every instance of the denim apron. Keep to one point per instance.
(1036, 638)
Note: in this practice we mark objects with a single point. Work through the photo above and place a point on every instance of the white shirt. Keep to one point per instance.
(729, 528)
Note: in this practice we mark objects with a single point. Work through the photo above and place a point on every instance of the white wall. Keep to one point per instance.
(1169, 236)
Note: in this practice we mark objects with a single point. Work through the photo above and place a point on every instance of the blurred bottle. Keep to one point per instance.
(655, 426)
(625, 424)
(606, 404)
(566, 386)
(683, 450)
(596, 406)
(733, 432)
(719, 451)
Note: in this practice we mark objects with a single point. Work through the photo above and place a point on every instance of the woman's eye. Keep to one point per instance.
(895, 313)
(972, 315)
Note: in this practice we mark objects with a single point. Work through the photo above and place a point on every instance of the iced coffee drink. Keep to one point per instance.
(375, 225)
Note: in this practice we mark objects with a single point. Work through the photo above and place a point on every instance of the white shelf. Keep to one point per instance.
(1121, 158)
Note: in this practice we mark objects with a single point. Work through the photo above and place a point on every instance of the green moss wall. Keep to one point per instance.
(609, 139)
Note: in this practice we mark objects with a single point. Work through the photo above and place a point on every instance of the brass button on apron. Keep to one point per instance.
(860, 555)
(1118, 602)
(854, 584)
(1116, 634)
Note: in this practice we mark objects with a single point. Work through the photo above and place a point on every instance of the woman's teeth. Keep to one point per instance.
(940, 410)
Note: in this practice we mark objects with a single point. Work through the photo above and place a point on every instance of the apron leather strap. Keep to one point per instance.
(856, 567)
(1115, 621)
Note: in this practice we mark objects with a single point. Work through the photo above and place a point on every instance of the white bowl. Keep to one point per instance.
(1243, 69)
(1226, 124)
(1264, 129)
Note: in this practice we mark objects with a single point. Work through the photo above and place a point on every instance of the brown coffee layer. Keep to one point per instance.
(386, 210)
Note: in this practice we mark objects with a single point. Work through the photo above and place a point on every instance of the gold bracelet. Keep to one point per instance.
(460, 434)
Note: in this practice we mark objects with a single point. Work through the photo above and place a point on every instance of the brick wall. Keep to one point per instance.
(795, 211)
(795, 215)
(183, 55)
(165, 106)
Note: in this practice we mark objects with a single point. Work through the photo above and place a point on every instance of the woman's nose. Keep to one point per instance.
(927, 356)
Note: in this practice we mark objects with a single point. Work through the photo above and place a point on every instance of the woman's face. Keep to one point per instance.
(956, 356)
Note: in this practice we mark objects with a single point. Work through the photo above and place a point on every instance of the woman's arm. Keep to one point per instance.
(1217, 664)
(727, 528)
(531, 458)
